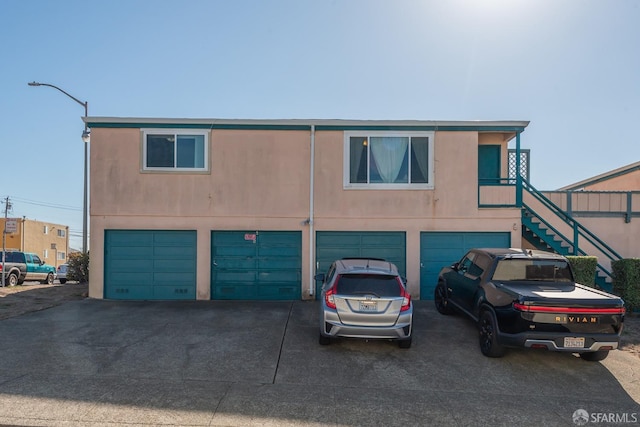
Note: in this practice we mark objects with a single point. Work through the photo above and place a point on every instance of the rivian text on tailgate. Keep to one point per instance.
(527, 298)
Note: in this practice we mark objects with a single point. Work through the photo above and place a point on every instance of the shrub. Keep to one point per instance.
(584, 269)
(626, 281)
(78, 267)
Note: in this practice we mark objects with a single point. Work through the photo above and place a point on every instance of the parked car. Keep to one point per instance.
(23, 266)
(62, 273)
(365, 298)
(528, 298)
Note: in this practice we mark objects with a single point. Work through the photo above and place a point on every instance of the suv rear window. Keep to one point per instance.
(362, 284)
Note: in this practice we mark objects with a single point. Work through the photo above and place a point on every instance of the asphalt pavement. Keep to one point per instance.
(218, 363)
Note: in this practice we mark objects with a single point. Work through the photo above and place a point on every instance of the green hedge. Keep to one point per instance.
(626, 281)
(584, 269)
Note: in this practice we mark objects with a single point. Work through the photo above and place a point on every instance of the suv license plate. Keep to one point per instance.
(571, 342)
(368, 306)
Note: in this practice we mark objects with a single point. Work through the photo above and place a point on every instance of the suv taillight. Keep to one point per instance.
(328, 295)
(406, 297)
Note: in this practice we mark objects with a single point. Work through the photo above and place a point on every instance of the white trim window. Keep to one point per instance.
(62, 233)
(175, 150)
(388, 160)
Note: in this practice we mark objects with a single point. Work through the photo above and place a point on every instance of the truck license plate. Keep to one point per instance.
(368, 306)
(573, 342)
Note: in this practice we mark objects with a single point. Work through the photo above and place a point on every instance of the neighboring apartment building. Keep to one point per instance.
(625, 178)
(252, 209)
(50, 241)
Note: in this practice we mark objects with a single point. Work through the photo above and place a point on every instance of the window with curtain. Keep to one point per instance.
(387, 160)
(167, 151)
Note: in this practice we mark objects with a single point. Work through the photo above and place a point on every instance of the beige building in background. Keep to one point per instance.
(49, 241)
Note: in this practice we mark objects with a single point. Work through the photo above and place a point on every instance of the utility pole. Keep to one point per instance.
(7, 206)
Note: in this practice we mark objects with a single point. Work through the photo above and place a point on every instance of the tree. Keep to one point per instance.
(78, 267)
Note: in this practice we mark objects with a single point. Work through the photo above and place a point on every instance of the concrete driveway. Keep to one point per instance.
(93, 362)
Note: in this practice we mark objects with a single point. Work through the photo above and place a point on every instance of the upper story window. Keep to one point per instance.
(62, 233)
(182, 150)
(388, 160)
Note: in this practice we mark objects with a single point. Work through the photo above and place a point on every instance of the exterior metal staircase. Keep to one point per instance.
(548, 227)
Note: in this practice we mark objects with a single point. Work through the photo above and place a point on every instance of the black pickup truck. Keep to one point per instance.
(528, 298)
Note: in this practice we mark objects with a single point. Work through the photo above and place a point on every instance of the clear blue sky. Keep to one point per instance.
(571, 67)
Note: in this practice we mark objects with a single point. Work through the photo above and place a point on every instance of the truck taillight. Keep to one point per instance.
(551, 309)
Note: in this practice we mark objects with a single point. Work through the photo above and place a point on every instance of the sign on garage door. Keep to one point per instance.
(150, 264)
(256, 265)
(333, 245)
(439, 249)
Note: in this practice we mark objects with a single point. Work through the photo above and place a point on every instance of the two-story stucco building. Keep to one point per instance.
(252, 209)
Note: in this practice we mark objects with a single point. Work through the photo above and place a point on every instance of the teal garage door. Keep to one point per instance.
(150, 265)
(333, 245)
(256, 265)
(440, 249)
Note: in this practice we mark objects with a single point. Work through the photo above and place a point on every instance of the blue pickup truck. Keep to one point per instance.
(18, 267)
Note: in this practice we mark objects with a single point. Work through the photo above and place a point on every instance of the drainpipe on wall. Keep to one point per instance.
(311, 195)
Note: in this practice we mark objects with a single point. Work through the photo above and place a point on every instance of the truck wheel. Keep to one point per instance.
(48, 280)
(63, 281)
(595, 356)
(13, 279)
(440, 300)
(489, 345)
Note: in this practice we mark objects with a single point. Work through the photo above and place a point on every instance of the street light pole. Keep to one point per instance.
(85, 139)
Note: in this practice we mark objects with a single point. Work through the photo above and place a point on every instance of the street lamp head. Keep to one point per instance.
(33, 84)
(86, 135)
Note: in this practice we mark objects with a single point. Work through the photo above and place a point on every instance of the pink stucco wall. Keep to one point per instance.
(260, 180)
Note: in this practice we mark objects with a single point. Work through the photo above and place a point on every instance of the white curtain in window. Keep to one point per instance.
(388, 154)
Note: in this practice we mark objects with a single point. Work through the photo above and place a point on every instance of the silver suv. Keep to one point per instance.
(365, 298)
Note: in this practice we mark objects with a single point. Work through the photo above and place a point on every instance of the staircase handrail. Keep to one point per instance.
(565, 238)
(572, 222)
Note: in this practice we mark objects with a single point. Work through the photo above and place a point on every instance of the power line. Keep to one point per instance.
(47, 204)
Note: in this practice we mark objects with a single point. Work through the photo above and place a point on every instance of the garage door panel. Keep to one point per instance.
(246, 250)
(279, 276)
(174, 292)
(279, 251)
(268, 268)
(173, 239)
(239, 291)
(391, 239)
(143, 238)
(132, 265)
(176, 265)
(278, 292)
(130, 293)
(277, 262)
(174, 253)
(131, 278)
(132, 252)
(150, 264)
(173, 278)
(441, 249)
(239, 276)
